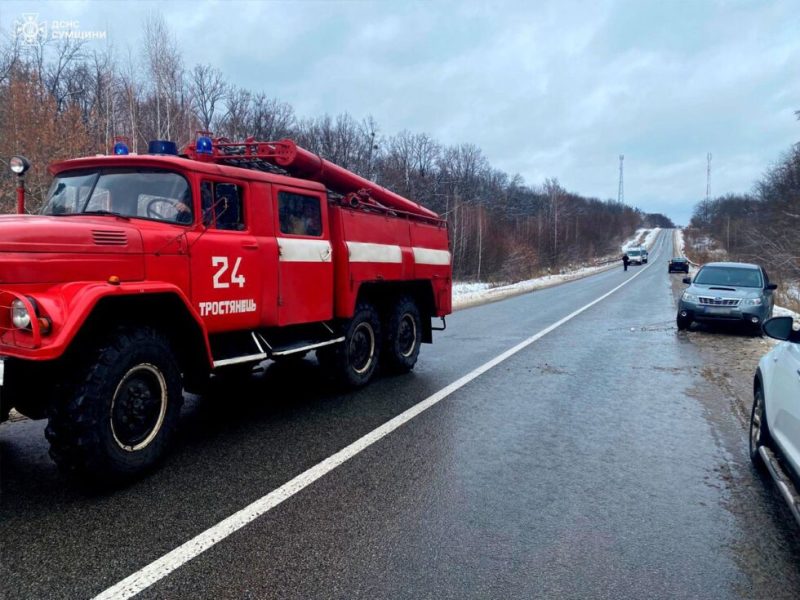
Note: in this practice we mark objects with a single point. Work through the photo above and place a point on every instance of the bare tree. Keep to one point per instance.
(128, 89)
(207, 88)
(271, 118)
(236, 122)
(165, 67)
(9, 58)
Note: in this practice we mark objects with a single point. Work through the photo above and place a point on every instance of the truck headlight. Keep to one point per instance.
(689, 297)
(20, 316)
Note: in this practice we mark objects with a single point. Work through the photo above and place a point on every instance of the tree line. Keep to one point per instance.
(762, 226)
(63, 99)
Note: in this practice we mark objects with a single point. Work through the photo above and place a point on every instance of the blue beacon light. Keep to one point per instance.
(204, 145)
(120, 149)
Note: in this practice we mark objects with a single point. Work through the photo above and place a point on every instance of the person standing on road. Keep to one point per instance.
(625, 261)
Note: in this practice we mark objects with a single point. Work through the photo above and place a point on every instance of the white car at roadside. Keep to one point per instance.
(775, 417)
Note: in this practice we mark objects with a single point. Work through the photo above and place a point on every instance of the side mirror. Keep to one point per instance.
(781, 328)
(771, 286)
(687, 280)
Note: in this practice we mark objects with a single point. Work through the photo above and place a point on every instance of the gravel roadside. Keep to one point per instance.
(730, 357)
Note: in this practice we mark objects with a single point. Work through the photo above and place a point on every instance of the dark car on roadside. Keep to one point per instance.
(736, 293)
(678, 264)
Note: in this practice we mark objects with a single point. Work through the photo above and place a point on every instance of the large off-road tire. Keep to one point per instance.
(354, 361)
(403, 336)
(116, 419)
(759, 430)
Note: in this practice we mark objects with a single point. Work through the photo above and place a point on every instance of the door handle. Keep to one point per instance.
(250, 246)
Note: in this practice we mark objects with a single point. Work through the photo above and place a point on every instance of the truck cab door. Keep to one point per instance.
(225, 266)
(305, 265)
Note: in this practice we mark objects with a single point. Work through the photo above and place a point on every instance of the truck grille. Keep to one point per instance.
(109, 237)
(707, 300)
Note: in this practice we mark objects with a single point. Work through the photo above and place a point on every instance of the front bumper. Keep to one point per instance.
(750, 315)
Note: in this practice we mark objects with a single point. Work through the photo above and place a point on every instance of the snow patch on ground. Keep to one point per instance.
(779, 311)
(470, 294)
(642, 237)
(679, 243)
(650, 238)
(634, 241)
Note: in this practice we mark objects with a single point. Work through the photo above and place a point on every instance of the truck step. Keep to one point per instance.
(303, 346)
(237, 348)
(255, 346)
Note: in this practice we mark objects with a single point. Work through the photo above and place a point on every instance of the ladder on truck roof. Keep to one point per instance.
(286, 157)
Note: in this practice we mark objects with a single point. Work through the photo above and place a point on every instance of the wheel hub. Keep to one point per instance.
(407, 335)
(362, 348)
(138, 407)
(755, 428)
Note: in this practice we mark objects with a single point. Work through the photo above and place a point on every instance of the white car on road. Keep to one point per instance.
(636, 255)
(775, 418)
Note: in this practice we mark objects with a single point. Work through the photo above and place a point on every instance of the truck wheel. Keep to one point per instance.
(117, 420)
(759, 431)
(683, 323)
(403, 336)
(353, 362)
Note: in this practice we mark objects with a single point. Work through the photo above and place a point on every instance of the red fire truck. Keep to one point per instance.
(146, 275)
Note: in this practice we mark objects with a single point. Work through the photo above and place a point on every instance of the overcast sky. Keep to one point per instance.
(546, 89)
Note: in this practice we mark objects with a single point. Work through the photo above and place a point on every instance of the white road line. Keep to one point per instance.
(160, 568)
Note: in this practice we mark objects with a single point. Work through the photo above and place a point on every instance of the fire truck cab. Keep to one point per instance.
(145, 275)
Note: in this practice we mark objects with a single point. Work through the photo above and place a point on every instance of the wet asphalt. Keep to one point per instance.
(596, 463)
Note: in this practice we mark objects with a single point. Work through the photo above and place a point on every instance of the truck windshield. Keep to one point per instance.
(633, 253)
(137, 193)
(729, 277)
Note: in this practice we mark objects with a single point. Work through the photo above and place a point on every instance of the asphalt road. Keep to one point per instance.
(594, 463)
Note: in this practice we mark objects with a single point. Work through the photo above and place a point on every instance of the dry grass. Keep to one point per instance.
(701, 248)
(786, 300)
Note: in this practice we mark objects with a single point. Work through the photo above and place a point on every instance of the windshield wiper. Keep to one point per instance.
(100, 212)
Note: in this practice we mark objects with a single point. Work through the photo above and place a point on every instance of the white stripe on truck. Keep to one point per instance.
(300, 250)
(429, 256)
(304, 250)
(363, 252)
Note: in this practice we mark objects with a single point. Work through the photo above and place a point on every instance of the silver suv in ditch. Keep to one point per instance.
(727, 292)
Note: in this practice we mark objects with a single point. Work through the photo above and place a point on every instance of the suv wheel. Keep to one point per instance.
(759, 431)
